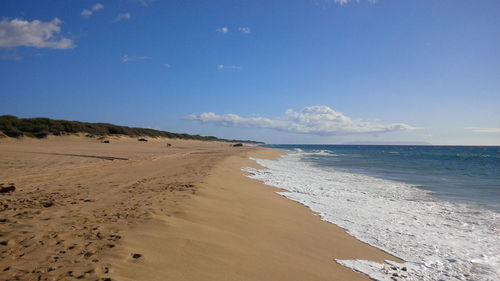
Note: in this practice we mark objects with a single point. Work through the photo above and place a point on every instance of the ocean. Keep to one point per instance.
(436, 207)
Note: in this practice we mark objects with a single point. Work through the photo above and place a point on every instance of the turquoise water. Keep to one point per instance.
(466, 174)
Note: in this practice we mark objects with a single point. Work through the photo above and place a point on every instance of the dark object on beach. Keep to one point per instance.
(7, 188)
(105, 141)
(47, 204)
(136, 256)
(142, 139)
(237, 144)
(169, 145)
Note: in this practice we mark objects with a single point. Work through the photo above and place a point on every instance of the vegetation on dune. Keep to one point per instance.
(12, 126)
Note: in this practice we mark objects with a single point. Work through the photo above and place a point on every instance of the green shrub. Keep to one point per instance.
(41, 134)
(12, 132)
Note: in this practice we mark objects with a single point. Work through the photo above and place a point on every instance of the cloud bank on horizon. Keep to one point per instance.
(315, 120)
(484, 130)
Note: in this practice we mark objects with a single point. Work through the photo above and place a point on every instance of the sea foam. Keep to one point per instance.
(438, 240)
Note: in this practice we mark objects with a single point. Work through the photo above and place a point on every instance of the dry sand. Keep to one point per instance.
(133, 210)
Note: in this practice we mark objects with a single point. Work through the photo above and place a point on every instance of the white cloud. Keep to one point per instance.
(484, 130)
(245, 30)
(86, 13)
(127, 58)
(97, 7)
(314, 120)
(225, 29)
(145, 3)
(123, 16)
(343, 2)
(233, 67)
(166, 65)
(222, 29)
(38, 34)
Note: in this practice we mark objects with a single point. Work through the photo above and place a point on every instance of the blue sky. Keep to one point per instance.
(345, 70)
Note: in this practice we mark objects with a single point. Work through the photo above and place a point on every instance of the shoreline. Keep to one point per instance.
(435, 238)
(237, 228)
(183, 213)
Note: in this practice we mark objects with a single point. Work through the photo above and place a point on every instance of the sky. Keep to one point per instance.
(300, 71)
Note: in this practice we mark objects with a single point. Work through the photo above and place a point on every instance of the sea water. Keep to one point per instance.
(435, 207)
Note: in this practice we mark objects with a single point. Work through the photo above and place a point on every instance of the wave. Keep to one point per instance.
(438, 240)
(319, 152)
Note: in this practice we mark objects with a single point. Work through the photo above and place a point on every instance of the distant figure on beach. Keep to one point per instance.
(169, 145)
(141, 139)
(237, 144)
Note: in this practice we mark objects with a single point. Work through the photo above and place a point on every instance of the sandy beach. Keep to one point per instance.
(132, 210)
